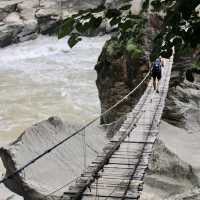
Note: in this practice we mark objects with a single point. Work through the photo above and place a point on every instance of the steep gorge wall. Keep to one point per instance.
(121, 68)
(118, 73)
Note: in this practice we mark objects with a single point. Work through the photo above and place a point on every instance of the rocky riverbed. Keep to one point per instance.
(22, 20)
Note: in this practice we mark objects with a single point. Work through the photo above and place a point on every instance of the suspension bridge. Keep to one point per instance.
(118, 171)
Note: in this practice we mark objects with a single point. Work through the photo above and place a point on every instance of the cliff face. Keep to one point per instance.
(120, 69)
(22, 20)
(118, 72)
(168, 174)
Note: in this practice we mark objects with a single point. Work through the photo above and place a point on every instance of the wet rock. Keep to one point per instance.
(168, 177)
(7, 7)
(193, 194)
(53, 170)
(182, 106)
(164, 162)
(29, 31)
(25, 148)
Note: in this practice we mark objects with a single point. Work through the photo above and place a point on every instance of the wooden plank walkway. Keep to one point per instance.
(118, 172)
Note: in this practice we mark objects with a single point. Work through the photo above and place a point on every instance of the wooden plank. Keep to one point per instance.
(122, 179)
(120, 172)
(112, 193)
(121, 168)
(126, 163)
(129, 161)
(102, 186)
(124, 156)
(122, 183)
(105, 198)
(139, 142)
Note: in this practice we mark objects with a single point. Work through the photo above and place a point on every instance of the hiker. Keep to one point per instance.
(157, 72)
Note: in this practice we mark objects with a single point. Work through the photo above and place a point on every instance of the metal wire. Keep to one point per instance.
(84, 150)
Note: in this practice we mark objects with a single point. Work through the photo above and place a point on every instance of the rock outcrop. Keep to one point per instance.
(166, 163)
(118, 72)
(193, 194)
(183, 100)
(22, 20)
(53, 170)
(120, 69)
(169, 177)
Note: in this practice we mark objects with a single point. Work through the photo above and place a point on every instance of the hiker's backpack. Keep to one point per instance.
(157, 66)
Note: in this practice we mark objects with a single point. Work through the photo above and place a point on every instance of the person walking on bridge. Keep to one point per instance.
(156, 72)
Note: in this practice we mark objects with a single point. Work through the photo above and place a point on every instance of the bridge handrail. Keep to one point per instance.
(75, 133)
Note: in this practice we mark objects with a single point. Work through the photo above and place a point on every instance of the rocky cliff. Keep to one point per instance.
(121, 67)
(118, 72)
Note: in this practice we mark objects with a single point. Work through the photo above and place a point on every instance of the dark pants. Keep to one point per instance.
(156, 75)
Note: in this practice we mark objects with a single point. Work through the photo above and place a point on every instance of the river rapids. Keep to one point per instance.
(44, 78)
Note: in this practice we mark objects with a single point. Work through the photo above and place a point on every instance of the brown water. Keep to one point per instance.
(43, 78)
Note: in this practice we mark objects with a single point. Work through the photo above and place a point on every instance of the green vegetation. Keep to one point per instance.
(121, 20)
(180, 25)
(114, 48)
(133, 49)
(196, 66)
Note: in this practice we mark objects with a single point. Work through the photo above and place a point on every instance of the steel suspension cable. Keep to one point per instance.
(75, 133)
(84, 150)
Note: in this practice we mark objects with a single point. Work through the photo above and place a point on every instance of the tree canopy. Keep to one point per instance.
(180, 23)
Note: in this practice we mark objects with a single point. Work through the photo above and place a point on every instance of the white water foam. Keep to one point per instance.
(43, 78)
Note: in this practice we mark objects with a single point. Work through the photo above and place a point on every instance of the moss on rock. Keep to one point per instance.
(114, 48)
(134, 51)
(120, 67)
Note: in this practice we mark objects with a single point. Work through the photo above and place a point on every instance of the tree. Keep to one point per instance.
(180, 27)
(121, 20)
(181, 24)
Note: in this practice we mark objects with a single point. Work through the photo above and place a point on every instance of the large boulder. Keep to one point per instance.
(54, 169)
(164, 162)
(7, 7)
(193, 194)
(6, 36)
(168, 176)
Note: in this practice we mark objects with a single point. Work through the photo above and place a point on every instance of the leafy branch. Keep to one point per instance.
(181, 25)
(87, 21)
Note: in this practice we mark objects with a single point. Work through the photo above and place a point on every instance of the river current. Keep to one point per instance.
(44, 78)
